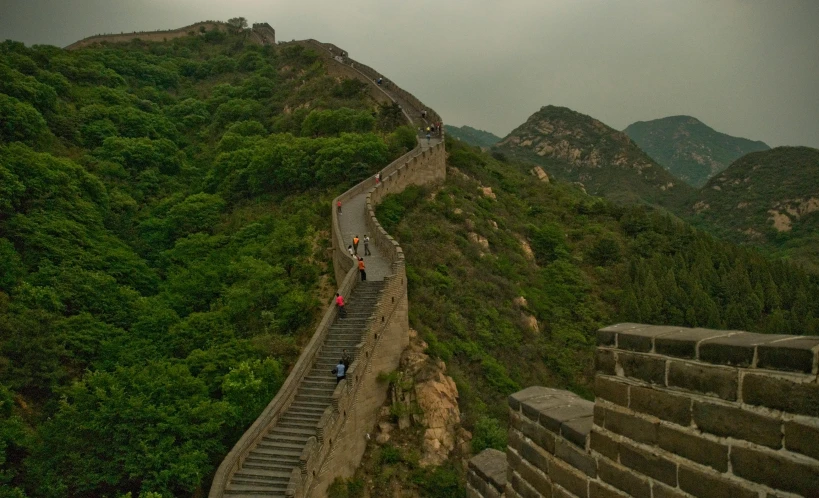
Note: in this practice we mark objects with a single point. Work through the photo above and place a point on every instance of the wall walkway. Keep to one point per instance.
(679, 413)
(308, 435)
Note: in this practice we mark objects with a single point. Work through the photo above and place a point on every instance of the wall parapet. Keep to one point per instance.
(679, 412)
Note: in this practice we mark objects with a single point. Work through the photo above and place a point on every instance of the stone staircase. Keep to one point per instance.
(267, 468)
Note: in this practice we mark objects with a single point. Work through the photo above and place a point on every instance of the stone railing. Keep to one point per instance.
(357, 399)
(679, 412)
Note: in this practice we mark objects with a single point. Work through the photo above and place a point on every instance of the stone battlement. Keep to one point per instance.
(679, 412)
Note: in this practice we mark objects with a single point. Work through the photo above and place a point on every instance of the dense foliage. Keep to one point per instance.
(557, 264)
(769, 199)
(163, 221)
(688, 148)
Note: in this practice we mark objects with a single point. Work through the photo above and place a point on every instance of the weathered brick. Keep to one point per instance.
(683, 343)
(510, 490)
(535, 407)
(604, 445)
(631, 426)
(577, 431)
(554, 418)
(736, 349)
(710, 485)
(710, 380)
(802, 438)
(692, 446)
(794, 353)
(571, 479)
(491, 466)
(515, 419)
(648, 463)
(534, 455)
(533, 393)
(575, 457)
(521, 487)
(600, 490)
(535, 477)
(661, 404)
(611, 389)
(642, 338)
(605, 361)
(738, 423)
(538, 434)
(559, 492)
(775, 470)
(648, 368)
(781, 394)
(623, 479)
(514, 439)
(662, 491)
(599, 415)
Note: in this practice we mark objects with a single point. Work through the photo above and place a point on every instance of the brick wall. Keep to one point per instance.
(679, 412)
(260, 33)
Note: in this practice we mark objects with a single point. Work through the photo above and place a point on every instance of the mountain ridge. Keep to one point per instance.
(688, 148)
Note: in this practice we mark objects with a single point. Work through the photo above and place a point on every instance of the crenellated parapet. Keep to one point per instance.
(679, 412)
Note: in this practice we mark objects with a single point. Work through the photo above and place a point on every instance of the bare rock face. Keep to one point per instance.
(540, 174)
(487, 192)
(520, 302)
(526, 248)
(477, 239)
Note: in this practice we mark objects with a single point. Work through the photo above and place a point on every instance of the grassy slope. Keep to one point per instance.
(472, 136)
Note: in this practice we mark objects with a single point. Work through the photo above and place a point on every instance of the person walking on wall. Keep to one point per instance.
(338, 207)
(346, 359)
(367, 246)
(340, 371)
(361, 269)
(378, 178)
(355, 245)
(350, 250)
(340, 303)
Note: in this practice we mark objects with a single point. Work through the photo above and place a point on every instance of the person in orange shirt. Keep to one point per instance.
(340, 303)
(361, 269)
(355, 245)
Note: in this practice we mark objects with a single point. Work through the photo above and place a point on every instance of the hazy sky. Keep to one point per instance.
(745, 67)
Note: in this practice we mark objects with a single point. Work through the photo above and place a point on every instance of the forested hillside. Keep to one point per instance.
(510, 277)
(163, 227)
(769, 199)
(578, 148)
(688, 148)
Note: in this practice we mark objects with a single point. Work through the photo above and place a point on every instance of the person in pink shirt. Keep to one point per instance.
(340, 303)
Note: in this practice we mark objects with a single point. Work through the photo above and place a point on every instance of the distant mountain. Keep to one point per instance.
(768, 198)
(578, 148)
(691, 150)
(472, 136)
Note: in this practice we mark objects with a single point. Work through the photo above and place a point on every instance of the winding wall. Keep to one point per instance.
(356, 400)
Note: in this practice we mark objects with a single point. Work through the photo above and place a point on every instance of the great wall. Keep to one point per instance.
(259, 33)
(678, 412)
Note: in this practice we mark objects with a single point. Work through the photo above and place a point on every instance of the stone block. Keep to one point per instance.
(688, 444)
(577, 431)
(662, 491)
(522, 488)
(537, 433)
(604, 445)
(532, 393)
(598, 489)
(802, 438)
(631, 426)
(579, 459)
(661, 404)
(568, 477)
(736, 349)
(559, 492)
(651, 464)
(534, 455)
(611, 389)
(794, 353)
(710, 380)
(491, 466)
(536, 478)
(514, 439)
(781, 394)
(599, 415)
(683, 343)
(735, 422)
(642, 338)
(711, 485)
(623, 479)
(778, 471)
(553, 418)
(648, 368)
(605, 362)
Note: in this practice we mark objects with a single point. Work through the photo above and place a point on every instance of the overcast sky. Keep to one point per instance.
(745, 67)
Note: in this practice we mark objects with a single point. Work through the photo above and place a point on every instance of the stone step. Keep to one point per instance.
(280, 445)
(308, 405)
(249, 491)
(270, 477)
(317, 391)
(311, 398)
(282, 432)
(276, 454)
(286, 439)
(298, 424)
(268, 466)
(273, 475)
